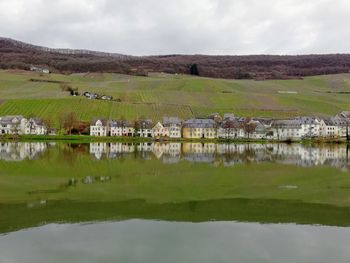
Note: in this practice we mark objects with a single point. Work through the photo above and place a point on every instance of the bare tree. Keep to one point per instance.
(69, 121)
(249, 126)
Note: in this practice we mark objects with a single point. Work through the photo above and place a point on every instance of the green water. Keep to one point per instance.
(155, 202)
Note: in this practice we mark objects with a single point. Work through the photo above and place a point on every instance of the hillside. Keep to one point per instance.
(19, 55)
(163, 94)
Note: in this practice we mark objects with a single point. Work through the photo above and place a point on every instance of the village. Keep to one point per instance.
(215, 126)
(228, 127)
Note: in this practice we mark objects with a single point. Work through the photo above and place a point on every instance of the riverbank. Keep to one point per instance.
(87, 139)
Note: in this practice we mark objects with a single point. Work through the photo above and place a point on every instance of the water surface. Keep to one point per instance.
(173, 202)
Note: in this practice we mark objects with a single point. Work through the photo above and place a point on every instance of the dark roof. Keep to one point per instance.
(167, 121)
(36, 121)
(104, 121)
(199, 123)
(120, 123)
(9, 119)
(290, 124)
(229, 123)
(145, 124)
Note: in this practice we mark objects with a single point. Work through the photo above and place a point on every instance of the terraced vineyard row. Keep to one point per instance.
(88, 109)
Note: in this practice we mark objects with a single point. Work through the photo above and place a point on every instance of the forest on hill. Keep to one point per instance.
(19, 55)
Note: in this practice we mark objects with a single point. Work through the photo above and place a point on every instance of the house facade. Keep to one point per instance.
(285, 130)
(120, 128)
(34, 126)
(230, 128)
(199, 128)
(159, 131)
(99, 127)
(144, 128)
(310, 127)
(13, 124)
(173, 127)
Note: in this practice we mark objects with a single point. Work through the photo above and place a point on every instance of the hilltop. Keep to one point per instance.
(19, 55)
(158, 95)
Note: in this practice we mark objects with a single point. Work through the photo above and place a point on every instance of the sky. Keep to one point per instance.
(154, 27)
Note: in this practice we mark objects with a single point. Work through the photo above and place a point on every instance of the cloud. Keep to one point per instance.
(187, 27)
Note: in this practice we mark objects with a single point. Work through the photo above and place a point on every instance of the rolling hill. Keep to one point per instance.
(29, 93)
(19, 55)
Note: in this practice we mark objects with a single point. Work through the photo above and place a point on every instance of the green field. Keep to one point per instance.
(161, 94)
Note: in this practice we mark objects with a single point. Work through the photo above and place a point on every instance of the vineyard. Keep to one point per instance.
(158, 95)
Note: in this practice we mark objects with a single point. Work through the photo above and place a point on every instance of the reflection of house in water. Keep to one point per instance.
(169, 152)
(120, 149)
(199, 152)
(228, 154)
(18, 151)
(221, 153)
(99, 149)
(144, 150)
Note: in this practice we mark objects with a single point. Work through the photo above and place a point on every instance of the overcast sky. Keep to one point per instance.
(143, 27)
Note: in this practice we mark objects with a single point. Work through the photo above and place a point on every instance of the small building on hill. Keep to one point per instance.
(39, 69)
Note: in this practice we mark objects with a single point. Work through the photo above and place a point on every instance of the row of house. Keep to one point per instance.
(226, 153)
(228, 127)
(18, 125)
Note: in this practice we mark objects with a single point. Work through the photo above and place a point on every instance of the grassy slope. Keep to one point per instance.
(162, 94)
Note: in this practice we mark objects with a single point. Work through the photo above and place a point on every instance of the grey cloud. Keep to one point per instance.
(187, 27)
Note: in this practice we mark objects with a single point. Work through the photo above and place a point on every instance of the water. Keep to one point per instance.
(151, 241)
(228, 154)
(189, 202)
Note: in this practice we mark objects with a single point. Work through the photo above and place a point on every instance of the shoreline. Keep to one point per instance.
(88, 139)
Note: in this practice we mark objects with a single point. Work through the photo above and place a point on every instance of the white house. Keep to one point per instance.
(285, 130)
(311, 127)
(99, 127)
(330, 128)
(172, 126)
(144, 128)
(230, 128)
(121, 128)
(39, 69)
(159, 131)
(34, 126)
(12, 124)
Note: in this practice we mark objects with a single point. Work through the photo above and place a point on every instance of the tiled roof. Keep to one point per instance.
(199, 123)
(167, 121)
(120, 123)
(10, 118)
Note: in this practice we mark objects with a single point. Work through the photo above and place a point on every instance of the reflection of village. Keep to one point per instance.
(228, 154)
(19, 151)
(336, 155)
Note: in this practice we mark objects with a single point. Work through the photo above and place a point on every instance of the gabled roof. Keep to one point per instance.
(308, 120)
(120, 123)
(199, 123)
(104, 121)
(9, 119)
(289, 124)
(229, 123)
(36, 121)
(229, 116)
(168, 121)
(144, 124)
(344, 114)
